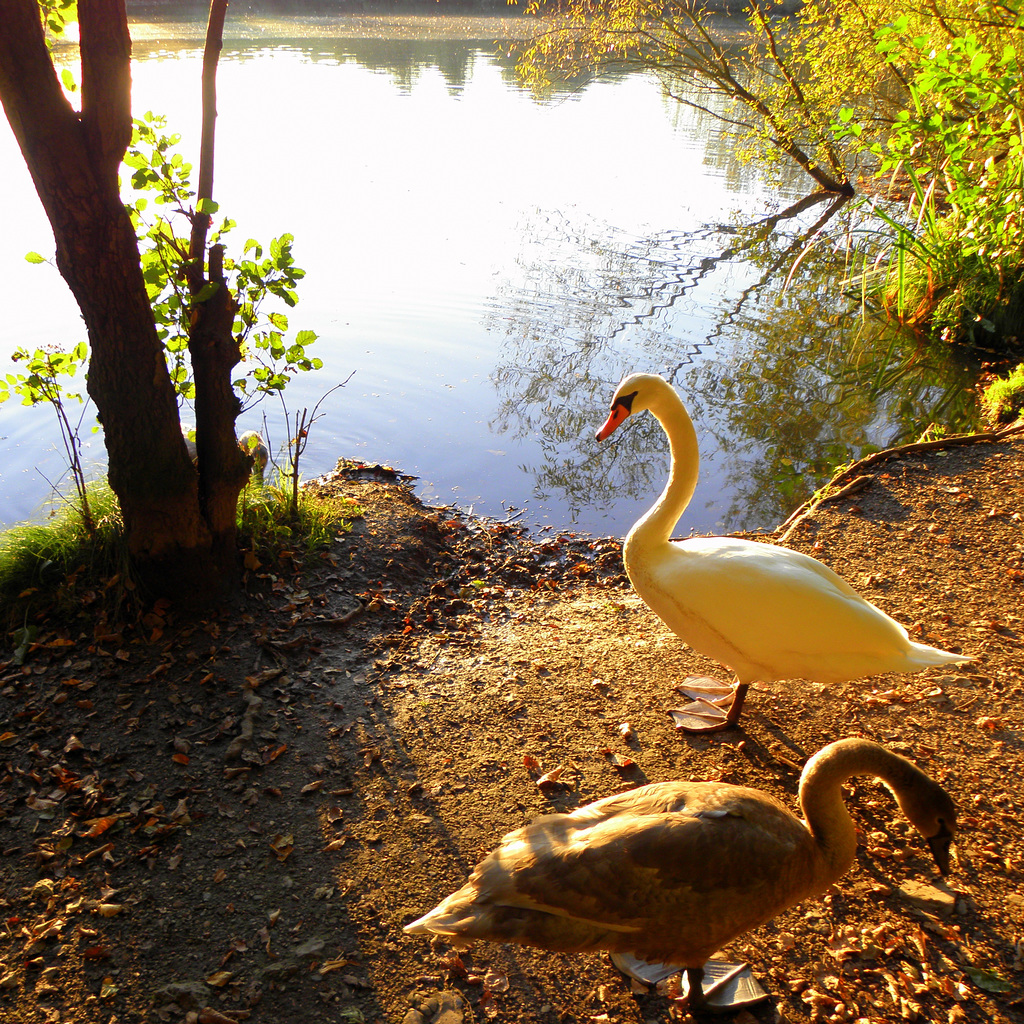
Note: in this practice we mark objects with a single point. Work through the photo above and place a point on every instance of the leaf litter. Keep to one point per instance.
(232, 819)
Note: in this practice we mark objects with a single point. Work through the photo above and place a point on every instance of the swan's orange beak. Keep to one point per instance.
(615, 417)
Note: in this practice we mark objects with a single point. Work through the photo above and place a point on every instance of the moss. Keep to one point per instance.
(1003, 400)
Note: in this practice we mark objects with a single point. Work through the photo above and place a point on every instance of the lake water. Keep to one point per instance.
(488, 266)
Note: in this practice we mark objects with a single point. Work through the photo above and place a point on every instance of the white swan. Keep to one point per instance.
(675, 870)
(764, 611)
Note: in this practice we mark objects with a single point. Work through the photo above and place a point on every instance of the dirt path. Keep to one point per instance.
(232, 820)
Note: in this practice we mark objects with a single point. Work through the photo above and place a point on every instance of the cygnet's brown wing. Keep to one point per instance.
(676, 868)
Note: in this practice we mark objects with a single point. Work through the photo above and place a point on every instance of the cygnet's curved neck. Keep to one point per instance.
(656, 526)
(821, 795)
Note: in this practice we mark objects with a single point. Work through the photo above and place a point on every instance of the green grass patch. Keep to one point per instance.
(58, 567)
(1003, 400)
(60, 570)
(268, 525)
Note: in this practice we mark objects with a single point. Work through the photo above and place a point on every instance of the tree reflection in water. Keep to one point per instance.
(783, 377)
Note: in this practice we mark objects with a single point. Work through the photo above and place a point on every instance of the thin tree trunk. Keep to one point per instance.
(223, 467)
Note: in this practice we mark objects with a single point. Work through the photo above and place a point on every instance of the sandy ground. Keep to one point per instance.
(232, 819)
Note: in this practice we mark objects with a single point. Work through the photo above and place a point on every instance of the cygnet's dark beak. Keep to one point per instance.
(939, 845)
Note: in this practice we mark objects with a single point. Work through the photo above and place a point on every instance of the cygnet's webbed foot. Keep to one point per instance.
(718, 987)
(714, 705)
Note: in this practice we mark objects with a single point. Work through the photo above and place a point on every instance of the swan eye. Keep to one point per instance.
(625, 400)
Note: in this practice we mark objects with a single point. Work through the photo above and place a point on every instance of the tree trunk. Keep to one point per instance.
(224, 468)
(74, 159)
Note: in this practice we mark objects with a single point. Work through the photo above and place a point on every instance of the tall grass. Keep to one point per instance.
(269, 519)
(63, 568)
(59, 570)
(947, 270)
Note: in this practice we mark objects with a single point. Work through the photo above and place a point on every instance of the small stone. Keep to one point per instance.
(928, 897)
(310, 948)
(189, 995)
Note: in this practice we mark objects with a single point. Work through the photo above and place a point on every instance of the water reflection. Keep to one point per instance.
(399, 46)
(491, 266)
(783, 383)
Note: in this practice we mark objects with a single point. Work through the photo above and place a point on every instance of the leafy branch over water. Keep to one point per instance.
(928, 98)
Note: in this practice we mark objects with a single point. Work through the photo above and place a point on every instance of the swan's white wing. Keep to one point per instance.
(769, 612)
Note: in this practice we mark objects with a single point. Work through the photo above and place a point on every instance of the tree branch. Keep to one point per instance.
(211, 55)
(44, 122)
(106, 48)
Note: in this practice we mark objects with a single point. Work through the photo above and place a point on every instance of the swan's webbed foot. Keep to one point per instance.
(714, 706)
(717, 987)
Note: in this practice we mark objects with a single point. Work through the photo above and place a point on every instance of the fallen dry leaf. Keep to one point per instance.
(552, 778)
(333, 965)
(208, 1015)
(619, 760)
(282, 846)
(97, 826)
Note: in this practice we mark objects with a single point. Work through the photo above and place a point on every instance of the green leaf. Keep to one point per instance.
(988, 980)
(22, 638)
(207, 206)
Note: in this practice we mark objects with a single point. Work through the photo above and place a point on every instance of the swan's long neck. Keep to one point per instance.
(656, 526)
(821, 795)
